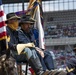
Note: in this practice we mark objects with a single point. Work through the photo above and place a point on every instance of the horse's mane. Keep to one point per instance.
(7, 65)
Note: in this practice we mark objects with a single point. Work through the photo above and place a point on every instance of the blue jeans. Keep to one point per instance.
(42, 62)
(26, 54)
(48, 60)
(30, 52)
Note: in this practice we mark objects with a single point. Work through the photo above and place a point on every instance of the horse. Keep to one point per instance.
(8, 65)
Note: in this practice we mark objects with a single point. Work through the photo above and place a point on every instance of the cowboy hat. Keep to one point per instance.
(11, 16)
(26, 19)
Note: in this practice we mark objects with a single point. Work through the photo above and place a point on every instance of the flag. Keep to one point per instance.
(36, 13)
(3, 36)
(31, 2)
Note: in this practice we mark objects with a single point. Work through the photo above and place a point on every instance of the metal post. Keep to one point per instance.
(23, 5)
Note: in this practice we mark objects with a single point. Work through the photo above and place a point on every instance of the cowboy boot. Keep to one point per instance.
(37, 67)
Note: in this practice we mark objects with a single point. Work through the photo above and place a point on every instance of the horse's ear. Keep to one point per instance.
(3, 57)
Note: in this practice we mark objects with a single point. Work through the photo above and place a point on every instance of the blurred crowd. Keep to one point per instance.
(61, 56)
(58, 31)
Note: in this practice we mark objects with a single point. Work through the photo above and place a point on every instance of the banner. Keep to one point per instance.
(36, 14)
(3, 35)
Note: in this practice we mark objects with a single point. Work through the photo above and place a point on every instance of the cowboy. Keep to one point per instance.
(71, 64)
(26, 36)
(14, 45)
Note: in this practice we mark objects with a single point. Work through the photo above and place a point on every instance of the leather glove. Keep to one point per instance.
(40, 51)
(20, 47)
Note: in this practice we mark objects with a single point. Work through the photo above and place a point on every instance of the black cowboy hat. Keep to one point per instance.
(11, 16)
(26, 19)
